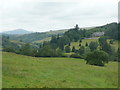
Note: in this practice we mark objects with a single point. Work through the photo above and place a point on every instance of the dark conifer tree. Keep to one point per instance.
(73, 49)
(86, 44)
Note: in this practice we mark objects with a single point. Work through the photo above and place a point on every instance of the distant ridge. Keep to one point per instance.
(17, 31)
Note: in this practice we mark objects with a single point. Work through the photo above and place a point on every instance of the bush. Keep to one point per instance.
(75, 56)
(98, 58)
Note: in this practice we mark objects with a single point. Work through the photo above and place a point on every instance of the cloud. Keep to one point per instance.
(38, 15)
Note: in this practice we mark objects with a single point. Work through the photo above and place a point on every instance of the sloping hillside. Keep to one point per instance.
(29, 72)
(34, 36)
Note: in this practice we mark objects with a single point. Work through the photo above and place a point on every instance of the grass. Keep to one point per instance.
(68, 54)
(17, 42)
(23, 71)
(1, 70)
(115, 44)
(76, 44)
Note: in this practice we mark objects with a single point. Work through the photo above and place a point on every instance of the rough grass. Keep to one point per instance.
(24, 71)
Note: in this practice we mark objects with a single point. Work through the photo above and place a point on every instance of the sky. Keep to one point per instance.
(46, 15)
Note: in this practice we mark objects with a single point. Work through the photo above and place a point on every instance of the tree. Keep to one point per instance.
(98, 58)
(80, 40)
(111, 41)
(81, 50)
(76, 27)
(61, 45)
(104, 45)
(47, 51)
(113, 31)
(79, 44)
(59, 52)
(73, 49)
(67, 49)
(93, 46)
(69, 44)
(86, 44)
(26, 49)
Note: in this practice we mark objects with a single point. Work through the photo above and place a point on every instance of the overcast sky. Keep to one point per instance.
(40, 16)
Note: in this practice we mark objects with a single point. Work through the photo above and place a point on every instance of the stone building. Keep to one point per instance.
(97, 34)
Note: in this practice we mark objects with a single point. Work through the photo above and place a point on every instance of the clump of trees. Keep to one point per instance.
(26, 49)
(81, 50)
(104, 45)
(9, 46)
(113, 31)
(93, 46)
(97, 57)
(47, 51)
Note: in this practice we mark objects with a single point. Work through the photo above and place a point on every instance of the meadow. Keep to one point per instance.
(76, 44)
(21, 71)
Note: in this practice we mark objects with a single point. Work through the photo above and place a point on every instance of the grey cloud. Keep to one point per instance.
(44, 16)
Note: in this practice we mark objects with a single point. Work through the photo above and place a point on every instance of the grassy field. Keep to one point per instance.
(0, 70)
(24, 71)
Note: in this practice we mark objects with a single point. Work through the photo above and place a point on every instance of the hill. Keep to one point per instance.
(17, 31)
(32, 37)
(35, 36)
(29, 72)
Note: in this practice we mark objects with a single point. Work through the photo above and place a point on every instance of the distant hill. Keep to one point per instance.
(34, 36)
(17, 31)
(40, 37)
